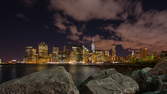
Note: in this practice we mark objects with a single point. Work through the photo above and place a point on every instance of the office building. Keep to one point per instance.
(31, 55)
(43, 49)
(55, 54)
(0, 61)
(43, 53)
(144, 52)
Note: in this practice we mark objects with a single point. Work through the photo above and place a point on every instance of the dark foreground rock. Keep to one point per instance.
(160, 71)
(109, 82)
(52, 81)
(160, 68)
(145, 80)
(150, 82)
(156, 92)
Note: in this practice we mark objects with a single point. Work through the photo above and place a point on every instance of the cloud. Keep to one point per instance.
(101, 43)
(60, 22)
(150, 31)
(146, 29)
(84, 10)
(74, 34)
(22, 17)
(29, 3)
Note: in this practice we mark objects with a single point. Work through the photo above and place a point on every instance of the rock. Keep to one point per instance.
(146, 81)
(160, 68)
(52, 81)
(156, 92)
(163, 82)
(160, 71)
(109, 82)
(146, 70)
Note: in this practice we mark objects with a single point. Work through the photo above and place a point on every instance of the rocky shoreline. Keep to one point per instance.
(57, 80)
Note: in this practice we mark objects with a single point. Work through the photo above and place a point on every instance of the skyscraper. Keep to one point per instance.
(30, 51)
(93, 47)
(43, 54)
(55, 54)
(114, 55)
(85, 53)
(43, 49)
(76, 55)
(55, 50)
(144, 52)
(133, 53)
(31, 55)
(0, 61)
(113, 50)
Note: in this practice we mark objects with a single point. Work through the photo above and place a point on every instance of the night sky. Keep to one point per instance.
(130, 23)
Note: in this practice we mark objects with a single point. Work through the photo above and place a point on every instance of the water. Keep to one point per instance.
(79, 72)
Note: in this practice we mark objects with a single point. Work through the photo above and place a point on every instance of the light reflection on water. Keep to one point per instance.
(0, 73)
(81, 73)
(78, 72)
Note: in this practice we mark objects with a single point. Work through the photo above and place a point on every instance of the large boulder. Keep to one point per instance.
(150, 82)
(156, 92)
(146, 81)
(160, 68)
(109, 82)
(52, 81)
(163, 82)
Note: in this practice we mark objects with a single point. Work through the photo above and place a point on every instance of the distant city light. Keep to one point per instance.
(82, 55)
(14, 60)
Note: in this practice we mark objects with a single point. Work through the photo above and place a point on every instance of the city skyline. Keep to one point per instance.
(132, 24)
(82, 55)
